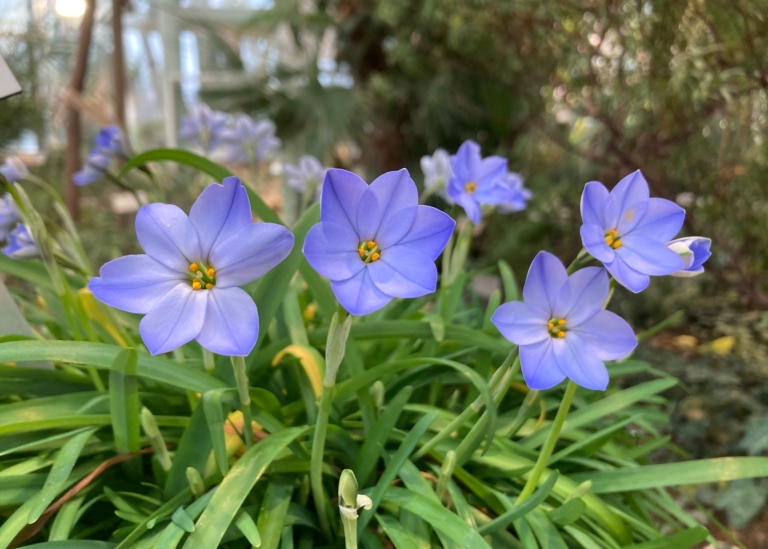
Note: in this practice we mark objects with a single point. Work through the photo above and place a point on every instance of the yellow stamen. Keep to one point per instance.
(561, 322)
(616, 244)
(550, 325)
(375, 256)
(371, 244)
(361, 251)
(612, 233)
(193, 267)
(196, 285)
(608, 240)
(211, 272)
(470, 187)
(208, 286)
(561, 334)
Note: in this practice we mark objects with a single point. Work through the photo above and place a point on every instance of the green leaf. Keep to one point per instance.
(675, 474)
(398, 534)
(193, 450)
(247, 527)
(273, 512)
(437, 516)
(124, 404)
(214, 416)
(202, 164)
(519, 511)
(320, 288)
(511, 291)
(57, 478)
(224, 505)
(568, 512)
(680, 540)
(545, 531)
(181, 519)
(73, 544)
(102, 355)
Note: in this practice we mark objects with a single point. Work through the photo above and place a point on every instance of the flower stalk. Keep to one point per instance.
(241, 379)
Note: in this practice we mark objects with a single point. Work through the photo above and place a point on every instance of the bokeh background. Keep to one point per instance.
(568, 91)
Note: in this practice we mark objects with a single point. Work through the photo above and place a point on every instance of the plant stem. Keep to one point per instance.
(316, 461)
(209, 362)
(241, 378)
(350, 532)
(549, 444)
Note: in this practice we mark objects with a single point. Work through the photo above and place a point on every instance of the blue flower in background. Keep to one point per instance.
(561, 328)
(9, 216)
(20, 244)
(307, 174)
(477, 180)
(695, 251)
(519, 195)
(13, 169)
(204, 126)
(374, 242)
(437, 172)
(109, 143)
(188, 282)
(250, 141)
(628, 231)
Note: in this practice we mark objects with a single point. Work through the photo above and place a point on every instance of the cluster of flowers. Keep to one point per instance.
(16, 235)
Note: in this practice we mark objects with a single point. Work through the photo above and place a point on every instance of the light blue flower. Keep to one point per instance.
(561, 327)
(9, 216)
(695, 251)
(477, 180)
(628, 231)
(250, 141)
(375, 242)
(307, 174)
(204, 126)
(188, 282)
(109, 144)
(519, 195)
(110, 141)
(437, 172)
(20, 244)
(13, 169)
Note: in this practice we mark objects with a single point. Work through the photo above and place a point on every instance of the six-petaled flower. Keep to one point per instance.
(628, 231)
(308, 174)
(204, 126)
(694, 250)
(477, 180)
(561, 327)
(375, 242)
(249, 140)
(188, 282)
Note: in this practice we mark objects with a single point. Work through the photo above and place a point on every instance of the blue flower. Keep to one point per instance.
(375, 242)
(307, 174)
(9, 215)
(519, 195)
(188, 282)
(13, 169)
(109, 143)
(561, 328)
(437, 172)
(628, 231)
(695, 251)
(20, 244)
(204, 126)
(250, 141)
(477, 180)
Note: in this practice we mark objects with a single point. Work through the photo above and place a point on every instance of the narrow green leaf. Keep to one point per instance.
(600, 435)
(172, 534)
(320, 288)
(73, 544)
(568, 512)
(57, 478)
(274, 508)
(437, 516)
(214, 416)
(680, 540)
(247, 527)
(236, 486)
(508, 282)
(398, 534)
(675, 474)
(545, 531)
(193, 450)
(519, 511)
(65, 519)
(124, 405)
(181, 519)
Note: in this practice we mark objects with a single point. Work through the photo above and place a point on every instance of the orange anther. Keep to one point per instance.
(196, 285)
(208, 286)
(375, 256)
(193, 267)
(211, 272)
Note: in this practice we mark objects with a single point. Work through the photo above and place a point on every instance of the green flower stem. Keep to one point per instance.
(241, 378)
(549, 444)
(350, 532)
(474, 408)
(316, 461)
(209, 362)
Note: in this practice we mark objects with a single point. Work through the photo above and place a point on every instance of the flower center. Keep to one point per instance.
(470, 187)
(202, 277)
(556, 327)
(612, 239)
(369, 251)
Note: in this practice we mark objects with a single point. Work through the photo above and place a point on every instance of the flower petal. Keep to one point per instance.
(626, 276)
(583, 294)
(593, 239)
(470, 205)
(648, 256)
(540, 369)
(630, 190)
(387, 208)
(490, 169)
(331, 250)
(519, 323)
(403, 271)
(168, 236)
(430, 231)
(607, 334)
(593, 200)
(250, 252)
(340, 197)
(577, 360)
(662, 220)
(359, 295)
(174, 320)
(219, 212)
(546, 276)
(631, 217)
(231, 324)
(465, 162)
(133, 283)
